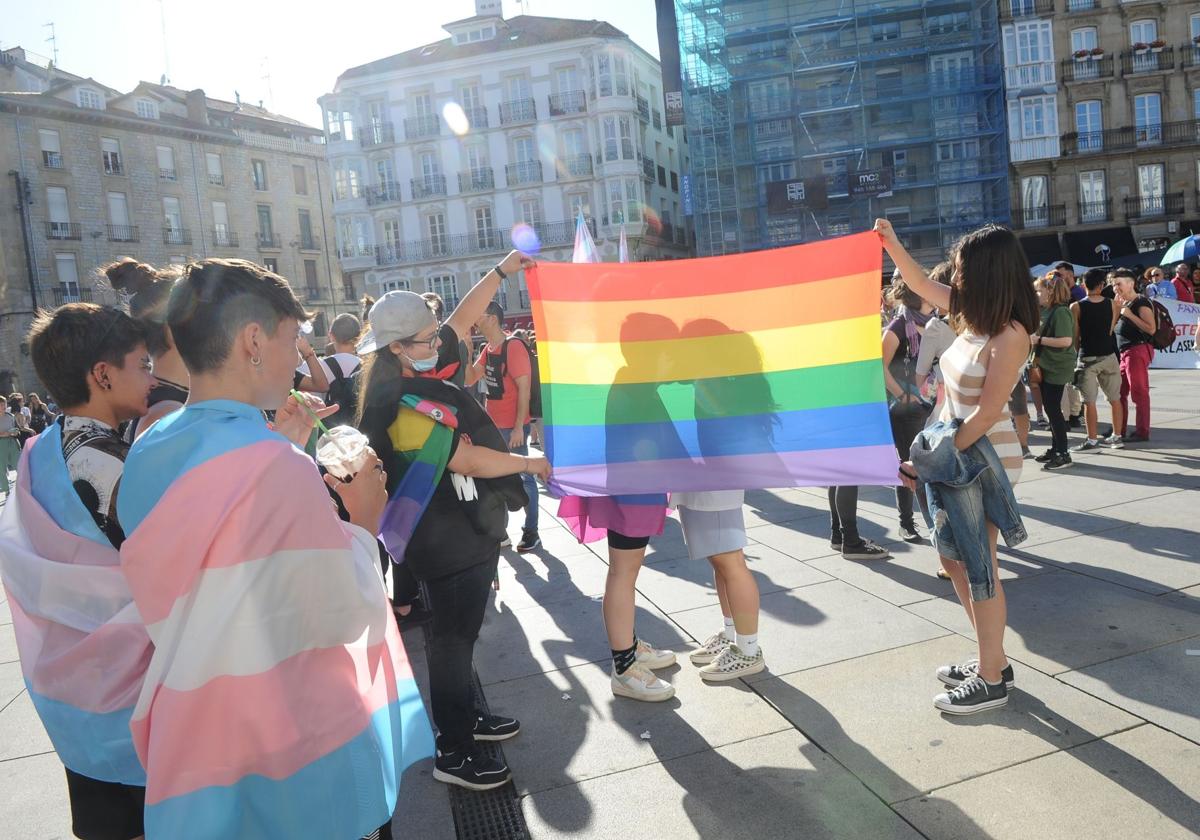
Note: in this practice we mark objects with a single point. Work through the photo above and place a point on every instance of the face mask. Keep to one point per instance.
(422, 365)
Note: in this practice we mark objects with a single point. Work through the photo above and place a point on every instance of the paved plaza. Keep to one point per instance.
(838, 739)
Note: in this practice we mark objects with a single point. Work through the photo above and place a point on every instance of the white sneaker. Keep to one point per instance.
(731, 664)
(652, 658)
(710, 650)
(638, 683)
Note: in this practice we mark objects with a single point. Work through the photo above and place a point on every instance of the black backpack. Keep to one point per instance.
(343, 391)
(495, 389)
(1164, 336)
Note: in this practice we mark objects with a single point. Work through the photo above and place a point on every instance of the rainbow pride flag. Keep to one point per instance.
(740, 372)
(279, 701)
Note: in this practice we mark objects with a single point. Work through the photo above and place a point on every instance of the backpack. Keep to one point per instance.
(495, 389)
(1164, 336)
(342, 391)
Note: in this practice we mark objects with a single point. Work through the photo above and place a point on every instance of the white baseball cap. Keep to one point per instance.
(395, 316)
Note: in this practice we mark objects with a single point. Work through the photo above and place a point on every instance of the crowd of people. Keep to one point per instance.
(210, 363)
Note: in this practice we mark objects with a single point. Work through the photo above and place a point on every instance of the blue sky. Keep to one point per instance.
(223, 45)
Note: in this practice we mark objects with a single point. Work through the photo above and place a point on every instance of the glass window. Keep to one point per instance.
(443, 286)
(147, 109)
(172, 217)
(616, 203)
(626, 126)
(1143, 31)
(299, 179)
(215, 174)
(68, 274)
(1147, 116)
(633, 200)
(391, 234)
(1084, 38)
(435, 224)
(1035, 193)
(89, 98)
(484, 226)
(529, 211)
(221, 222)
(51, 151)
(523, 150)
(110, 153)
(266, 229)
(57, 207)
(1089, 124)
(310, 274)
(604, 74)
(166, 162)
(621, 75)
(259, 171)
(1092, 196)
(611, 149)
(118, 209)
(885, 31)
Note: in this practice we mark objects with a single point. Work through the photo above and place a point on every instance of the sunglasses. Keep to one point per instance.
(411, 342)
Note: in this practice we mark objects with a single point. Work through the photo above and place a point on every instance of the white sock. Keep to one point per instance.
(727, 631)
(748, 643)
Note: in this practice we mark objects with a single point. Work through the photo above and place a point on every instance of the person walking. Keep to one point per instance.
(908, 409)
(994, 309)
(1135, 326)
(10, 445)
(1098, 369)
(1055, 357)
(506, 370)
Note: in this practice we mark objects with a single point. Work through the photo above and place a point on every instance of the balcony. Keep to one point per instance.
(1021, 76)
(386, 193)
(349, 295)
(177, 236)
(476, 180)
(310, 243)
(122, 233)
(268, 240)
(225, 238)
(66, 294)
(425, 125)
(1093, 212)
(478, 243)
(656, 119)
(518, 111)
(1184, 133)
(377, 134)
(570, 102)
(1149, 207)
(1010, 9)
(1082, 5)
(574, 166)
(523, 172)
(643, 108)
(477, 116)
(313, 293)
(216, 179)
(167, 175)
(1087, 69)
(1189, 56)
(63, 230)
(648, 169)
(52, 160)
(1137, 62)
(356, 251)
(1036, 148)
(113, 165)
(1026, 218)
(428, 186)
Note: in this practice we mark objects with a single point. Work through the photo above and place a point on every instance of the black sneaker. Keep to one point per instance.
(972, 696)
(1075, 421)
(909, 534)
(955, 675)
(1058, 462)
(529, 541)
(1045, 457)
(865, 550)
(495, 727)
(471, 770)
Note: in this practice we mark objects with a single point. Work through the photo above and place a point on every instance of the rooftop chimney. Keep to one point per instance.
(197, 106)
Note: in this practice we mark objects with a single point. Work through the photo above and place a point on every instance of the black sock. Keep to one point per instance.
(623, 659)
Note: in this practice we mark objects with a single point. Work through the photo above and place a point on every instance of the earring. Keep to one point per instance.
(107, 386)
(256, 361)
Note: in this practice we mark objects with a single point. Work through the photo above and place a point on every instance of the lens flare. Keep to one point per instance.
(525, 239)
(456, 118)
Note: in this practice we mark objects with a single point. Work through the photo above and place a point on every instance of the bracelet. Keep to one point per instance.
(496, 268)
(526, 469)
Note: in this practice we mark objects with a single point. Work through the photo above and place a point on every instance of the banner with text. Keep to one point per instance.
(1182, 353)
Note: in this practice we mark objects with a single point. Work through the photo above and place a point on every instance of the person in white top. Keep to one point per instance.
(713, 528)
(994, 310)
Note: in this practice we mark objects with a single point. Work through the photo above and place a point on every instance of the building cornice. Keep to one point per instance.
(69, 113)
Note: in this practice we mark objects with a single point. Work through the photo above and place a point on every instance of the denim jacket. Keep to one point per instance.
(965, 491)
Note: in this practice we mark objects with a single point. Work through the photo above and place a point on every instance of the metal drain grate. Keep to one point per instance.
(492, 814)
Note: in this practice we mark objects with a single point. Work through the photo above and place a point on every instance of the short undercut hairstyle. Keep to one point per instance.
(215, 299)
(345, 328)
(1094, 279)
(67, 343)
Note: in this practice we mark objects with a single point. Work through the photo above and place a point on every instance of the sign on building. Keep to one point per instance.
(871, 182)
(806, 194)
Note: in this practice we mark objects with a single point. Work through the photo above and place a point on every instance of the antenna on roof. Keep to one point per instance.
(52, 41)
(162, 19)
(267, 78)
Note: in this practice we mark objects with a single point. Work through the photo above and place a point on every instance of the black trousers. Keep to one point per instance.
(843, 513)
(458, 602)
(1052, 396)
(908, 419)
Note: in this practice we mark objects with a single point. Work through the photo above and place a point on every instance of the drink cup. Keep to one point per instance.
(342, 452)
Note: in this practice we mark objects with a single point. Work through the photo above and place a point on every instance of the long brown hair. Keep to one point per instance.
(992, 288)
(378, 369)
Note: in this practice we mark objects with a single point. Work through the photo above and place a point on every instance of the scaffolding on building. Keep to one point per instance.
(779, 90)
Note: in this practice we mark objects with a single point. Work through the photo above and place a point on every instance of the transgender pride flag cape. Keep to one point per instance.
(279, 701)
(81, 641)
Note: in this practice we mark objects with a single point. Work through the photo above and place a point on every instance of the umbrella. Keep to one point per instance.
(1185, 250)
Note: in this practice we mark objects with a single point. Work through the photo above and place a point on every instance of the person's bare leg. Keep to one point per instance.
(1036, 391)
(741, 591)
(618, 607)
(962, 587)
(1118, 416)
(1092, 419)
(1021, 422)
(722, 591)
(991, 618)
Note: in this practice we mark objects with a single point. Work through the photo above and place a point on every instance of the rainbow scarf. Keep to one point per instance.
(279, 701)
(739, 372)
(421, 435)
(83, 648)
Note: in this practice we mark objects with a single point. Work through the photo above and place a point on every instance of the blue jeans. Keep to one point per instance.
(531, 486)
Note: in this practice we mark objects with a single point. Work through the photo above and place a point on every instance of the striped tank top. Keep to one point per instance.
(964, 373)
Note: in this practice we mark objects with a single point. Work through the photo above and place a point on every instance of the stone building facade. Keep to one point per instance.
(1104, 124)
(160, 174)
(445, 156)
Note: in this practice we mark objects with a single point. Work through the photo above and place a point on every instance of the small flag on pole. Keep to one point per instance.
(623, 249)
(585, 246)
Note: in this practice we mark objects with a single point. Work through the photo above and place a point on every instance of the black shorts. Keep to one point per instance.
(623, 543)
(105, 810)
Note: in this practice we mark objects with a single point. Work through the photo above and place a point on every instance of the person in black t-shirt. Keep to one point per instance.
(1098, 368)
(1134, 329)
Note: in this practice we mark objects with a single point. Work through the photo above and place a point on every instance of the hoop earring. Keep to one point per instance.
(256, 361)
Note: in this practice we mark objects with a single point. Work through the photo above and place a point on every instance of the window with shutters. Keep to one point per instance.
(216, 175)
(299, 179)
(110, 154)
(68, 276)
(258, 169)
(51, 150)
(166, 163)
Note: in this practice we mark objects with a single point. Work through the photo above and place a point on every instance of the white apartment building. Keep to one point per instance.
(445, 154)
